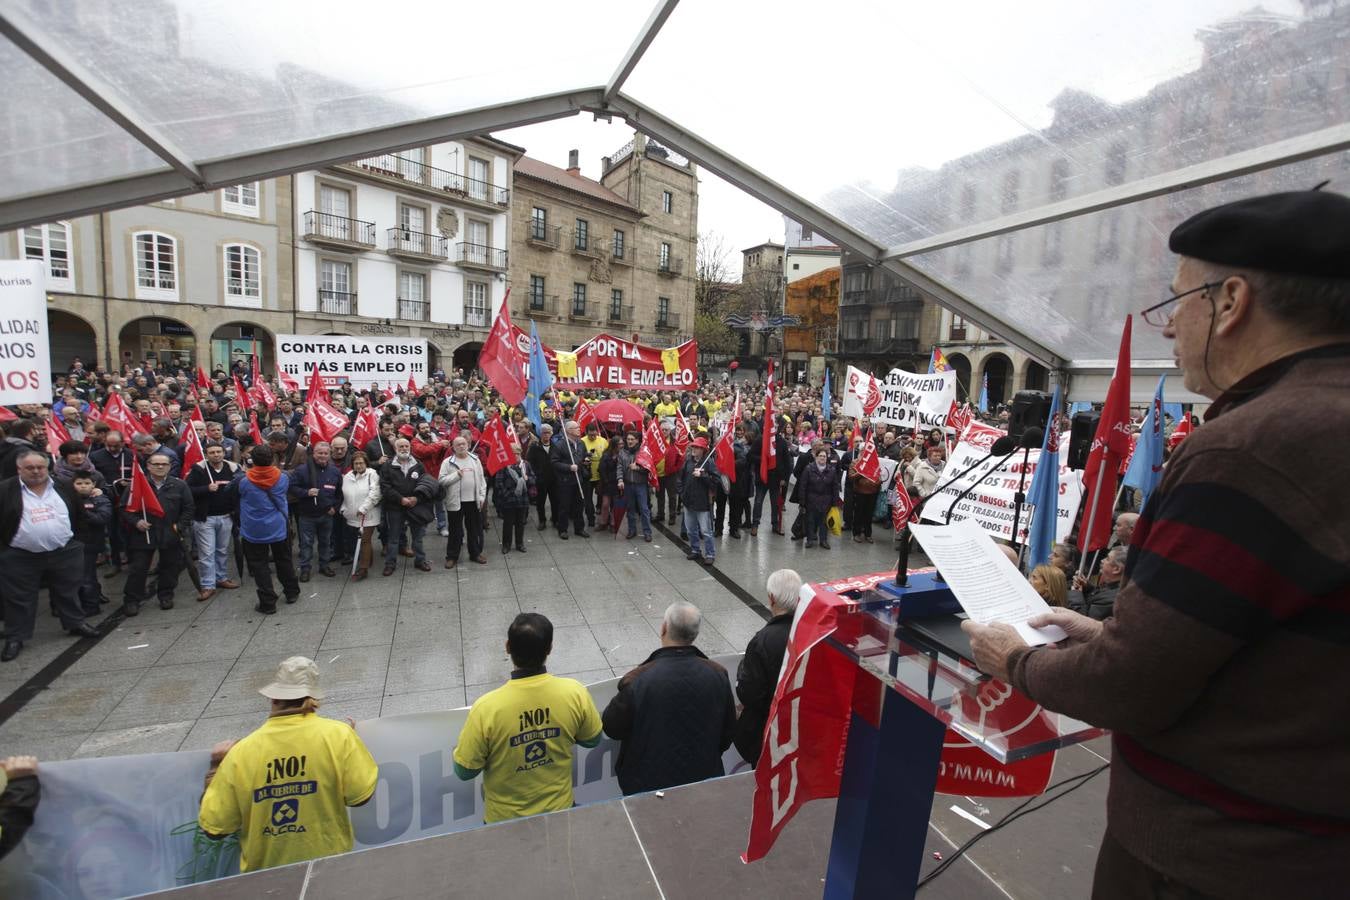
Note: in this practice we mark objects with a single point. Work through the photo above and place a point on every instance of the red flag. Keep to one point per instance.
(7, 414)
(724, 454)
(367, 426)
(142, 498)
(120, 417)
(412, 385)
(902, 505)
(1180, 432)
(253, 428)
(193, 453)
(582, 413)
(329, 419)
(261, 392)
(768, 451)
(495, 447)
(868, 464)
(287, 382)
(203, 383)
(315, 388)
(501, 358)
(1109, 446)
(313, 427)
(56, 436)
(682, 435)
(652, 451)
(242, 397)
(196, 415)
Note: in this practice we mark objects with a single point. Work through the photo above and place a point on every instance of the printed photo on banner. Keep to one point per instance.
(905, 399)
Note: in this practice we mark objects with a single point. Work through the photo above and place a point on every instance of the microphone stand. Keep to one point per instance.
(966, 493)
(1020, 497)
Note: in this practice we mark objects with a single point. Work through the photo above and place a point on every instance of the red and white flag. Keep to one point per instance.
(260, 391)
(120, 417)
(582, 413)
(495, 447)
(287, 382)
(203, 383)
(1109, 446)
(652, 451)
(724, 454)
(502, 359)
(768, 450)
(193, 452)
(142, 497)
(366, 427)
(56, 436)
(254, 431)
(868, 464)
(902, 505)
(242, 398)
(329, 419)
(412, 385)
(316, 387)
(1180, 432)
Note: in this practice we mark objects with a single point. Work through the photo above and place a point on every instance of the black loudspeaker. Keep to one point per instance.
(1029, 409)
(1081, 432)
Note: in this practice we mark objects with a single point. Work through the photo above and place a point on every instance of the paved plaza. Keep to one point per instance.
(185, 678)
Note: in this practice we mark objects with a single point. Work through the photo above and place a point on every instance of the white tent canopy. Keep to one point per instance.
(1022, 163)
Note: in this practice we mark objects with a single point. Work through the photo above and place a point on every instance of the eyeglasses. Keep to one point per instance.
(1158, 318)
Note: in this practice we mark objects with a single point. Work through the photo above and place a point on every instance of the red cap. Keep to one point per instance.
(407, 431)
(701, 443)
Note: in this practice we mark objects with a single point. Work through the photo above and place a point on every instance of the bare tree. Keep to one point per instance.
(712, 278)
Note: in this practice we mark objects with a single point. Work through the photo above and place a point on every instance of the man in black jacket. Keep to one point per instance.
(773, 487)
(698, 482)
(39, 518)
(571, 462)
(674, 713)
(757, 674)
(315, 493)
(114, 461)
(22, 435)
(215, 502)
(148, 533)
(406, 498)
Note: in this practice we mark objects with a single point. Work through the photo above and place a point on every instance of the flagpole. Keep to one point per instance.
(1096, 554)
(1092, 513)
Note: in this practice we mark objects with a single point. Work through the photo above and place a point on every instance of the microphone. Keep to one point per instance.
(1005, 444)
(1001, 447)
(1032, 438)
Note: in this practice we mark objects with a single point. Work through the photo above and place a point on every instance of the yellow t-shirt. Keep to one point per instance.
(664, 410)
(596, 445)
(712, 406)
(286, 788)
(521, 736)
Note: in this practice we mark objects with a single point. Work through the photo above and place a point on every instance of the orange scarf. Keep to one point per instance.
(264, 476)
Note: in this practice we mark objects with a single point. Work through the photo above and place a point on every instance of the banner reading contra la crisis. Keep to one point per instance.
(606, 361)
(905, 399)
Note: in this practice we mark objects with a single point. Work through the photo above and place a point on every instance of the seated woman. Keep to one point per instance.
(1050, 583)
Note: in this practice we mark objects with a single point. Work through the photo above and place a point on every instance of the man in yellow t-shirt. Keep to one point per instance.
(286, 787)
(667, 408)
(520, 735)
(595, 445)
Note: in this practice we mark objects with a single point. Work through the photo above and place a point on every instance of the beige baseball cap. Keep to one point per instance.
(296, 678)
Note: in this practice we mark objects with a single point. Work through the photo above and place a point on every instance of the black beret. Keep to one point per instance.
(1296, 233)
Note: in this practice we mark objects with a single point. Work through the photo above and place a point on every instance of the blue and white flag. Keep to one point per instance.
(1146, 465)
(984, 393)
(825, 400)
(1044, 493)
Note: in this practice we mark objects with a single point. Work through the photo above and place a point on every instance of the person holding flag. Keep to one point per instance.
(465, 484)
(635, 470)
(157, 515)
(212, 482)
(864, 477)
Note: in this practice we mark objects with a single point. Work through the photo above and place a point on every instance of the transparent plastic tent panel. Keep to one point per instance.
(227, 77)
(1071, 283)
(46, 152)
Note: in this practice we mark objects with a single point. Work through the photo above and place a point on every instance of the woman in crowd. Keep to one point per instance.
(512, 491)
(1050, 583)
(865, 492)
(633, 483)
(361, 509)
(609, 487)
(820, 492)
(262, 528)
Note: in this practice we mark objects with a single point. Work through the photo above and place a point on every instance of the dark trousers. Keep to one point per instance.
(513, 526)
(863, 507)
(139, 555)
(740, 509)
(570, 507)
(817, 526)
(345, 540)
(465, 522)
(117, 540)
(1120, 875)
(592, 489)
(278, 553)
(720, 515)
(546, 495)
(24, 574)
(666, 494)
(91, 592)
(772, 493)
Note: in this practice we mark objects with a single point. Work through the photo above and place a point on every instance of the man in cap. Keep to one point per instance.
(285, 788)
(1221, 671)
(698, 483)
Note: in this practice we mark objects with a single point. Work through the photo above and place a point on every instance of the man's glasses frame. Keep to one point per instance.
(1155, 315)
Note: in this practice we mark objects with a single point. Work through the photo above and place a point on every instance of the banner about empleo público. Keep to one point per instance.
(907, 400)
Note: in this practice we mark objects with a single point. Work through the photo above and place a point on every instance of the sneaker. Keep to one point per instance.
(445, 532)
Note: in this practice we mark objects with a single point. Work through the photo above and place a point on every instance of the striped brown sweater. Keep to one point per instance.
(1225, 671)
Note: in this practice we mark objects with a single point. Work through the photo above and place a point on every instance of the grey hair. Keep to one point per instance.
(682, 622)
(784, 587)
(1117, 555)
(142, 438)
(1313, 304)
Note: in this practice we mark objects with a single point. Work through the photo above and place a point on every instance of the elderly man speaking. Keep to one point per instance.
(1222, 670)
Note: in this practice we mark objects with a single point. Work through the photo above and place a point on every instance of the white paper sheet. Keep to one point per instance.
(985, 582)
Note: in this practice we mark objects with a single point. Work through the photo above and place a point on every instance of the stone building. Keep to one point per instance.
(196, 279)
(409, 244)
(613, 255)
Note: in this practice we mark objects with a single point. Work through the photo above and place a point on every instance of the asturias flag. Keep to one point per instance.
(1044, 493)
(1145, 469)
(540, 381)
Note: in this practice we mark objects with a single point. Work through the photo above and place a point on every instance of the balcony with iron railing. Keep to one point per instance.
(476, 316)
(667, 320)
(414, 310)
(542, 305)
(544, 235)
(417, 244)
(402, 169)
(626, 256)
(480, 256)
(339, 231)
(336, 303)
(585, 246)
(670, 267)
(856, 298)
(579, 310)
(620, 313)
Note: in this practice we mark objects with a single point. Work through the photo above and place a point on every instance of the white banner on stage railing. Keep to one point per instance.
(25, 336)
(360, 361)
(105, 827)
(904, 399)
(992, 504)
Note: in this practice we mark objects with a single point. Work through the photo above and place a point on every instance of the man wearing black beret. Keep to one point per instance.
(1223, 672)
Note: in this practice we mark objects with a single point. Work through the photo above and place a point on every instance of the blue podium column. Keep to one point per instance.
(885, 799)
